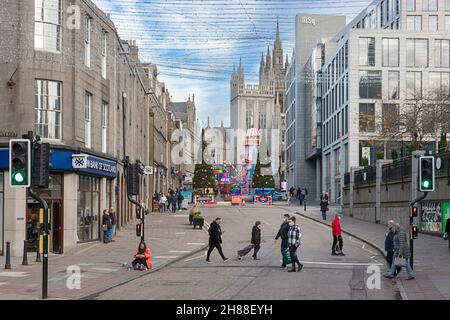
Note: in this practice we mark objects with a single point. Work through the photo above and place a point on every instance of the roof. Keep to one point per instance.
(180, 110)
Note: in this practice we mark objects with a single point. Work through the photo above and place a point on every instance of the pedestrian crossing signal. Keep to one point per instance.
(414, 212)
(426, 174)
(140, 230)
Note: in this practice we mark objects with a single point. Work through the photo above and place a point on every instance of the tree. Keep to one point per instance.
(263, 178)
(443, 143)
(436, 118)
(203, 176)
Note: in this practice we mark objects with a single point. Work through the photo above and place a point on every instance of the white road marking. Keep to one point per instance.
(195, 244)
(341, 263)
(180, 215)
(105, 269)
(195, 258)
(180, 233)
(166, 257)
(14, 274)
(179, 251)
(3, 283)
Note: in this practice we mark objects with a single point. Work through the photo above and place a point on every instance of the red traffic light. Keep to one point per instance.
(414, 212)
(414, 232)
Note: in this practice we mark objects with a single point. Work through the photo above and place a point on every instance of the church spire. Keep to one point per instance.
(268, 58)
(241, 68)
(287, 61)
(278, 31)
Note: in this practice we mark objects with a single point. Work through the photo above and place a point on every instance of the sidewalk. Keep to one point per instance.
(431, 255)
(169, 236)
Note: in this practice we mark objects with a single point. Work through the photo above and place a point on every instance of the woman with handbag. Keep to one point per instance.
(402, 253)
(106, 225)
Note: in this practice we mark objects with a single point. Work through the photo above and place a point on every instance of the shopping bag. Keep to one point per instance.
(399, 261)
(246, 250)
(286, 257)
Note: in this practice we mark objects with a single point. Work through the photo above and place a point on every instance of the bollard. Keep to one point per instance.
(8, 256)
(38, 251)
(25, 253)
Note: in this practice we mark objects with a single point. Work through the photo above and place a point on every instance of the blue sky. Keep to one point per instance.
(195, 42)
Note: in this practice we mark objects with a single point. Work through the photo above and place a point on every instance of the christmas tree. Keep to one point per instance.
(203, 176)
(263, 178)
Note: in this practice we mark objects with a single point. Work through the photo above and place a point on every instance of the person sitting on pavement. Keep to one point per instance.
(142, 258)
(336, 250)
(401, 251)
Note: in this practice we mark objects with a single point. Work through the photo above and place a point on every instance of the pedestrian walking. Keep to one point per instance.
(215, 239)
(180, 199)
(113, 216)
(107, 225)
(389, 246)
(294, 236)
(336, 249)
(283, 234)
(402, 253)
(447, 232)
(324, 206)
(173, 200)
(162, 203)
(301, 196)
(255, 242)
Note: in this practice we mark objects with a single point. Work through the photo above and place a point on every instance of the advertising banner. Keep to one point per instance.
(445, 214)
(431, 216)
(236, 200)
(203, 199)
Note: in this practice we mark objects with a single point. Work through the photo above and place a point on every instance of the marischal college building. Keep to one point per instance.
(67, 76)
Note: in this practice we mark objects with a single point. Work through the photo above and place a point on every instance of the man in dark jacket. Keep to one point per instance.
(389, 245)
(283, 234)
(215, 239)
(256, 239)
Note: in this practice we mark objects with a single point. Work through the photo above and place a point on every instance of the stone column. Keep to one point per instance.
(379, 179)
(71, 221)
(15, 215)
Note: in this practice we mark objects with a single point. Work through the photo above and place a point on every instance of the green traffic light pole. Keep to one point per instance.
(45, 228)
(411, 223)
(144, 210)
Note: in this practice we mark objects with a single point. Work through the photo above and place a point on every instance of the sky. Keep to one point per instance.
(196, 42)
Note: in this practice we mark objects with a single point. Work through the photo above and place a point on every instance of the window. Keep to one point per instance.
(411, 5)
(87, 119)
(440, 83)
(414, 85)
(432, 23)
(87, 42)
(390, 52)
(104, 52)
(104, 127)
(88, 209)
(262, 123)
(429, 5)
(367, 51)
(370, 84)
(393, 85)
(249, 116)
(48, 105)
(47, 25)
(390, 116)
(447, 23)
(367, 117)
(447, 5)
(414, 23)
(417, 53)
(442, 53)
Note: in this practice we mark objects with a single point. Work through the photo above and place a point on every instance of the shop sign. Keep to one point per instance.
(236, 199)
(94, 165)
(263, 198)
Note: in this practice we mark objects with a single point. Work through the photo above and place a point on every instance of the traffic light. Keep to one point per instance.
(414, 212)
(138, 213)
(426, 174)
(20, 162)
(133, 179)
(414, 232)
(41, 166)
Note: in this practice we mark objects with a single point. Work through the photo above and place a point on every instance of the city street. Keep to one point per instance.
(323, 276)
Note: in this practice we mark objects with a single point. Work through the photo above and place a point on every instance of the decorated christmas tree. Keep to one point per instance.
(263, 178)
(203, 176)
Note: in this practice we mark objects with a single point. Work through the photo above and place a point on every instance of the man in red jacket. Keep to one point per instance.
(337, 237)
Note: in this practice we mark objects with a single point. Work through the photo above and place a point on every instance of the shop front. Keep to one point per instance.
(2, 179)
